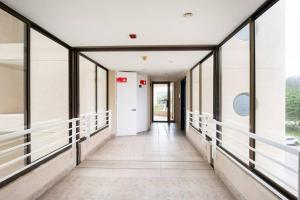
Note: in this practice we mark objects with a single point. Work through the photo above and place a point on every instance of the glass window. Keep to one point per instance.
(160, 102)
(49, 91)
(101, 94)
(172, 106)
(278, 88)
(87, 88)
(235, 57)
(195, 95)
(207, 87)
(11, 86)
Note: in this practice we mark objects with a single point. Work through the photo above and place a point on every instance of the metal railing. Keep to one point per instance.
(44, 140)
(277, 161)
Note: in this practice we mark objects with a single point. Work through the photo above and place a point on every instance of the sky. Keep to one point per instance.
(292, 31)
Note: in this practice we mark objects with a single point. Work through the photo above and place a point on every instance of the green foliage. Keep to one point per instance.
(293, 100)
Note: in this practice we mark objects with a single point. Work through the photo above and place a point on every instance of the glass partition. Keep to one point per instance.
(235, 68)
(49, 91)
(11, 86)
(172, 102)
(196, 95)
(278, 88)
(87, 87)
(101, 94)
(207, 87)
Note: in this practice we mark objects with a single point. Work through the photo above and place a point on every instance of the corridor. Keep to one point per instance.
(158, 164)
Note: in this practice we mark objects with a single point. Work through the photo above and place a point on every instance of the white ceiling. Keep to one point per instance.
(156, 22)
(160, 65)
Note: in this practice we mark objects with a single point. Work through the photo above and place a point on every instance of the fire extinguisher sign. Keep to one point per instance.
(143, 82)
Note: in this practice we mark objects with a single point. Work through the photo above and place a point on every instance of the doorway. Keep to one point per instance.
(182, 104)
(163, 102)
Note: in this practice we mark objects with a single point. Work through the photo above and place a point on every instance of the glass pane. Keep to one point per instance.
(235, 81)
(207, 88)
(49, 92)
(87, 88)
(172, 101)
(195, 92)
(278, 88)
(11, 86)
(101, 95)
(160, 102)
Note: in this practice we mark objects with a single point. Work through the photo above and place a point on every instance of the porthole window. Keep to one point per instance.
(241, 104)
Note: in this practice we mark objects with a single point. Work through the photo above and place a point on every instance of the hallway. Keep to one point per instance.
(159, 164)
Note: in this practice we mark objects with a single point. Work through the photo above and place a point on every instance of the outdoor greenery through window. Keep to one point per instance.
(278, 88)
(160, 102)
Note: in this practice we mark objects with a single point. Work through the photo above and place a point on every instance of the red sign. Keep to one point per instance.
(121, 79)
(143, 82)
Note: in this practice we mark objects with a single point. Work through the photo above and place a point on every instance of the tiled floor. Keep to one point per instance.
(160, 164)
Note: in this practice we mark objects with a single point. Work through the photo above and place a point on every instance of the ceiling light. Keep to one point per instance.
(171, 61)
(188, 15)
(144, 58)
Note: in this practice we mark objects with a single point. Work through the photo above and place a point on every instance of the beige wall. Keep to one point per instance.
(33, 184)
(112, 99)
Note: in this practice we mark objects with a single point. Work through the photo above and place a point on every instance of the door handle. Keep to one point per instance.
(133, 109)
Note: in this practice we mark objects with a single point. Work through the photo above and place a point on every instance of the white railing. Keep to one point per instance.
(94, 122)
(276, 160)
(44, 140)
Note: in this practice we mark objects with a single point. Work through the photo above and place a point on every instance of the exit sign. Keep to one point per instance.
(121, 79)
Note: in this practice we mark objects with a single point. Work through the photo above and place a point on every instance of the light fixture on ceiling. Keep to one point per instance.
(188, 15)
(171, 61)
(144, 58)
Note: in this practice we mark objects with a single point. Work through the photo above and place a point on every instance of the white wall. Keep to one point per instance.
(142, 104)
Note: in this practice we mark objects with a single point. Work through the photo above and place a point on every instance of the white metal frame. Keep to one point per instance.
(208, 125)
(75, 132)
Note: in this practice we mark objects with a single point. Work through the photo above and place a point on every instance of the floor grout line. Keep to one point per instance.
(116, 168)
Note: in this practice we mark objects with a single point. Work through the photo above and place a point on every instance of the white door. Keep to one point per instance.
(126, 103)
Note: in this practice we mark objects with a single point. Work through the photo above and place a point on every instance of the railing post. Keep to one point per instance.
(214, 141)
(73, 132)
(188, 115)
(88, 126)
(204, 127)
(109, 119)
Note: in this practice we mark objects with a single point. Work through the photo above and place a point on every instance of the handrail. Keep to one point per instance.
(47, 144)
(208, 125)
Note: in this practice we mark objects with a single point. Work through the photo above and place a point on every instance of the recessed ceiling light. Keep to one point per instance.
(144, 58)
(188, 15)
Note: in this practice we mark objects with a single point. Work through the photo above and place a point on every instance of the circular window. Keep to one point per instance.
(241, 104)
